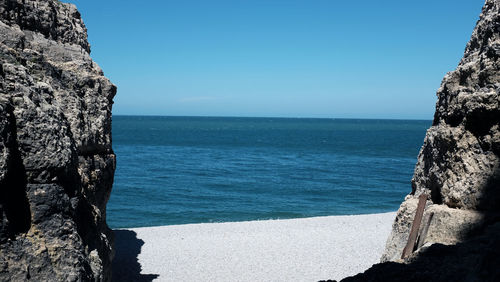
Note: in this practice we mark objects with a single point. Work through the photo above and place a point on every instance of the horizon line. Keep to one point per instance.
(273, 117)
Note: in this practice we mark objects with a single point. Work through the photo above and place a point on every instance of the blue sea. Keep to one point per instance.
(178, 170)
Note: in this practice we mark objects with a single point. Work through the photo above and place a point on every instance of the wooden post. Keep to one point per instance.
(415, 226)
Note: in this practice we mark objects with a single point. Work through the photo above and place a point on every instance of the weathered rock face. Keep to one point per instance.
(56, 160)
(459, 163)
(459, 169)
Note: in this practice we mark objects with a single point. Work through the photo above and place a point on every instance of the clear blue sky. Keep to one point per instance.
(341, 59)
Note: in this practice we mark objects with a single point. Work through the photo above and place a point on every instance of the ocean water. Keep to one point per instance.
(178, 170)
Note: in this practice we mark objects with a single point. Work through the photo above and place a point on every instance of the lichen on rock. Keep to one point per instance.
(56, 159)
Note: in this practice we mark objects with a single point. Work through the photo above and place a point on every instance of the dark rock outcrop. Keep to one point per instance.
(459, 169)
(56, 160)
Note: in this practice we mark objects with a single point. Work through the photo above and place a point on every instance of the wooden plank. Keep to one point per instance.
(415, 226)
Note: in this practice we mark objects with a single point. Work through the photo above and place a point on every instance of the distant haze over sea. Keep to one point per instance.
(177, 170)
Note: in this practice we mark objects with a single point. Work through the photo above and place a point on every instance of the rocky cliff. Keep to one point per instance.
(458, 169)
(56, 160)
(458, 165)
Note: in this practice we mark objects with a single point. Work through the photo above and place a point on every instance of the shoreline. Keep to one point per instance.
(302, 249)
(248, 220)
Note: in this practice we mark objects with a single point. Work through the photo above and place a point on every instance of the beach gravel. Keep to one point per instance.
(308, 249)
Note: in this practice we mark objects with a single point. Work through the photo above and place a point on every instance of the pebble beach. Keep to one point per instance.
(306, 249)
